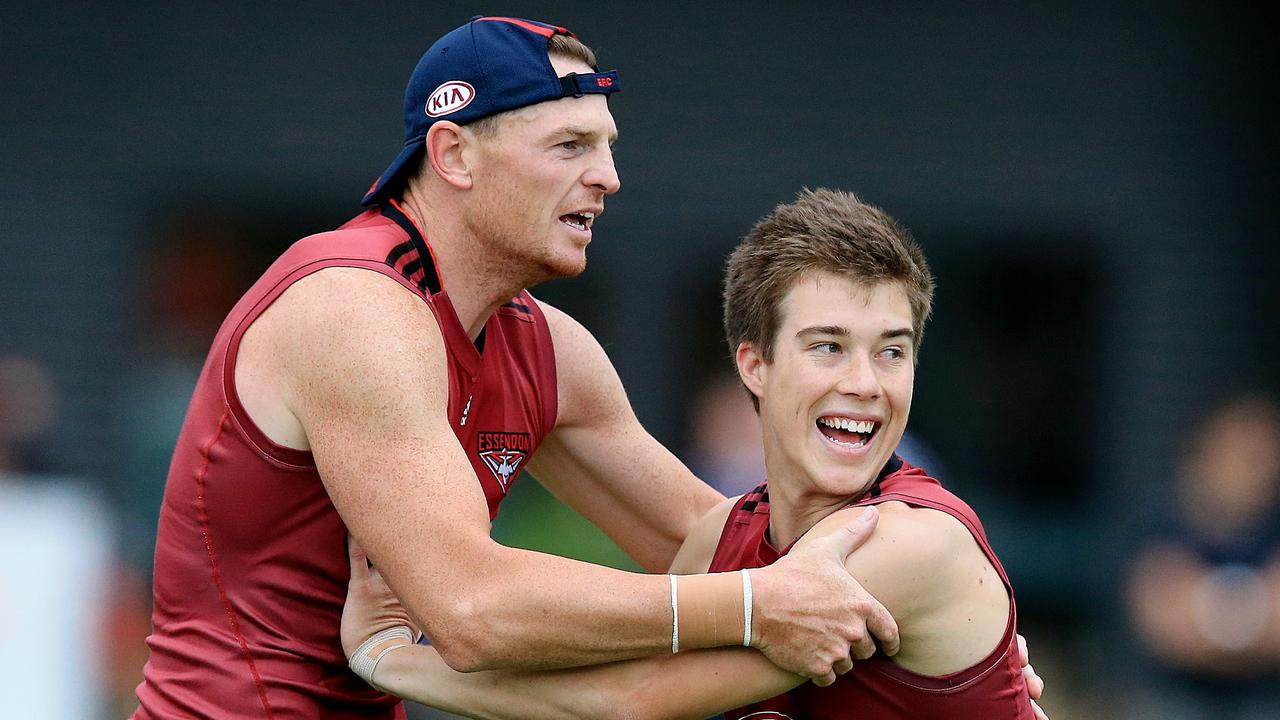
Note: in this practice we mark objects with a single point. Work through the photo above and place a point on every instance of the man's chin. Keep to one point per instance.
(567, 267)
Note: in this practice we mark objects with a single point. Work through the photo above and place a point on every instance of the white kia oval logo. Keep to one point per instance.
(450, 97)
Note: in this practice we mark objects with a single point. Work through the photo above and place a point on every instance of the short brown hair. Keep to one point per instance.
(563, 45)
(822, 230)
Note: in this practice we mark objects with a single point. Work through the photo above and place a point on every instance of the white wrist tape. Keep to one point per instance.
(364, 665)
(746, 608)
(675, 617)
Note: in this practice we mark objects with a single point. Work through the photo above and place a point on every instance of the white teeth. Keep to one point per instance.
(572, 219)
(854, 445)
(858, 426)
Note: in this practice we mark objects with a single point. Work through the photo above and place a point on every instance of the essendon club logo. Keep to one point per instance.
(504, 453)
(450, 97)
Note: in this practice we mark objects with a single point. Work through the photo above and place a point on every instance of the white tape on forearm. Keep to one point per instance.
(363, 665)
(746, 608)
(675, 617)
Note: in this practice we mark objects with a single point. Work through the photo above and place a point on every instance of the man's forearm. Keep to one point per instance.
(486, 606)
(693, 685)
(520, 609)
(531, 610)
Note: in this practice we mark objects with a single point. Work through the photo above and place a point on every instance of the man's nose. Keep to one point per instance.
(860, 379)
(603, 174)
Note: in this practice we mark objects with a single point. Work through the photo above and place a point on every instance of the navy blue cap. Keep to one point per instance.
(489, 65)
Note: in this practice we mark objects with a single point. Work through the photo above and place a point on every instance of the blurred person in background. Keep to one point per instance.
(28, 407)
(825, 303)
(394, 376)
(724, 449)
(1205, 591)
(57, 574)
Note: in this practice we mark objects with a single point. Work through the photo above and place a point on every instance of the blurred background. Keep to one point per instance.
(1094, 184)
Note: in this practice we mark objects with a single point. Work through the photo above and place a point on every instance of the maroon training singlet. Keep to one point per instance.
(251, 569)
(877, 688)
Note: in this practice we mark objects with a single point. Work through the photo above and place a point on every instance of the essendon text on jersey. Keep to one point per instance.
(504, 453)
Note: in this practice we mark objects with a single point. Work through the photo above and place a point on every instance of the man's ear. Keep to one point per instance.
(445, 154)
(752, 368)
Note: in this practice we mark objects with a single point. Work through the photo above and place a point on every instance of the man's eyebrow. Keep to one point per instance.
(583, 132)
(823, 330)
(839, 330)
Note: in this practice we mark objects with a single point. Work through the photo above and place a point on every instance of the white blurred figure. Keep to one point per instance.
(53, 571)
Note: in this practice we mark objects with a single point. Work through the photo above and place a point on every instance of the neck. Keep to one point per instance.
(791, 516)
(793, 511)
(476, 281)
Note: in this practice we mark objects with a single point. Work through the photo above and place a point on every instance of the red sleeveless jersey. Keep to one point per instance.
(251, 569)
(878, 689)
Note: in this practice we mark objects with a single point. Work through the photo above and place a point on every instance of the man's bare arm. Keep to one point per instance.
(689, 685)
(366, 375)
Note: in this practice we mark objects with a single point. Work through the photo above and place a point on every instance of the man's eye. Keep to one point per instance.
(569, 145)
(828, 348)
(894, 353)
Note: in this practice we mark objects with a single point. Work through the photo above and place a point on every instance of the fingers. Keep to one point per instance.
(862, 646)
(824, 680)
(857, 527)
(843, 666)
(359, 562)
(883, 627)
(1035, 686)
(1040, 714)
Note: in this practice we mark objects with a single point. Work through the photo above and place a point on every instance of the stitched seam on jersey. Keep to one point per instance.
(217, 572)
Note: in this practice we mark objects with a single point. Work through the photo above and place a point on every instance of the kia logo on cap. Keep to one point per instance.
(449, 98)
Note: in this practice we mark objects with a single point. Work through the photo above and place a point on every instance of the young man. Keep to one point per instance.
(392, 378)
(825, 303)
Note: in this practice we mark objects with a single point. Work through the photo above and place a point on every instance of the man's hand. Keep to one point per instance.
(1035, 686)
(371, 607)
(811, 617)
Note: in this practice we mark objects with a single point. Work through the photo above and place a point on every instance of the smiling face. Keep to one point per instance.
(540, 181)
(835, 397)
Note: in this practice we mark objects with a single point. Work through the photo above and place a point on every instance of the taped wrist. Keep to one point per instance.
(707, 611)
(364, 661)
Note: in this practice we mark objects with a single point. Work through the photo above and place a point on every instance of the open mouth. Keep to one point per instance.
(847, 432)
(578, 221)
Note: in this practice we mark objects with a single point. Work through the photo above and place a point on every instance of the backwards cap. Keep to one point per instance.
(489, 65)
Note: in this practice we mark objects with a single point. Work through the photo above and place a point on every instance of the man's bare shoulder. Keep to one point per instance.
(930, 573)
(566, 333)
(349, 291)
(320, 327)
(700, 546)
(912, 560)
